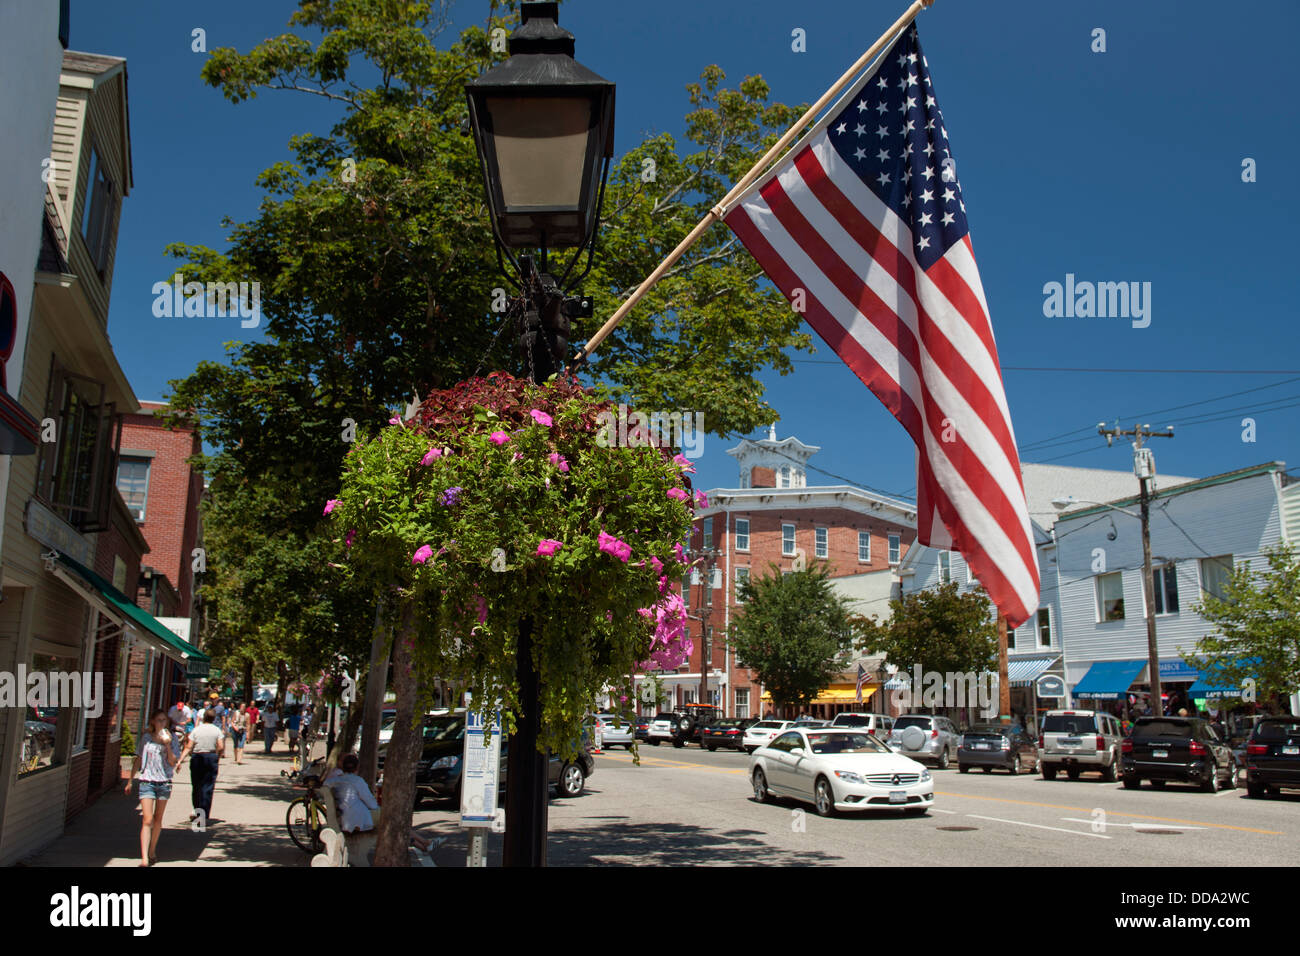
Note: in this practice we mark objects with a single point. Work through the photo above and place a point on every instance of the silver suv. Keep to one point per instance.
(1079, 740)
(925, 737)
(877, 725)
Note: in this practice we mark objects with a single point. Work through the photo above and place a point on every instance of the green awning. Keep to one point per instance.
(117, 605)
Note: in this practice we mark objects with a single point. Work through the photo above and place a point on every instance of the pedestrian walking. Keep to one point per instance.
(178, 717)
(254, 715)
(293, 723)
(155, 764)
(206, 744)
(239, 732)
(270, 721)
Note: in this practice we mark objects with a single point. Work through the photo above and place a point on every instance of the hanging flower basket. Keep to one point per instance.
(497, 507)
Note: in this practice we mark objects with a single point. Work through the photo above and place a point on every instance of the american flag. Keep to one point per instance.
(862, 226)
(862, 679)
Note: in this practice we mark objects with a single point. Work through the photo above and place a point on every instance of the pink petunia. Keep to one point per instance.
(331, 505)
(352, 536)
(558, 461)
(395, 420)
(548, 546)
(684, 463)
(680, 553)
(678, 494)
(701, 500)
(430, 456)
(612, 545)
(424, 553)
(482, 610)
(498, 438)
(657, 565)
(541, 417)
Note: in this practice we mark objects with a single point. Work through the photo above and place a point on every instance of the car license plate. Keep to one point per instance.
(1160, 753)
(898, 796)
(1289, 751)
(982, 747)
(1069, 742)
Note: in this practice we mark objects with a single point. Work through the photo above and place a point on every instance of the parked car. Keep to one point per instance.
(642, 725)
(994, 746)
(683, 726)
(763, 732)
(615, 731)
(839, 770)
(925, 737)
(1079, 740)
(438, 771)
(726, 732)
(877, 725)
(1273, 756)
(1184, 749)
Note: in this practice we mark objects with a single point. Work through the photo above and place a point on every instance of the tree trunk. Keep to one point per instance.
(372, 714)
(403, 751)
(248, 682)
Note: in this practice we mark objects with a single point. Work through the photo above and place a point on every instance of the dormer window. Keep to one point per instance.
(97, 213)
(783, 477)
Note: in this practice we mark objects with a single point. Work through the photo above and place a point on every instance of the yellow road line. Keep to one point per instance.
(1113, 813)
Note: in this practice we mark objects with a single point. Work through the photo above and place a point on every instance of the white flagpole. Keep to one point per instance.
(718, 211)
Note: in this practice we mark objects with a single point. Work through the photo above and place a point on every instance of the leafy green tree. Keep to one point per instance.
(941, 629)
(794, 630)
(1256, 644)
(379, 277)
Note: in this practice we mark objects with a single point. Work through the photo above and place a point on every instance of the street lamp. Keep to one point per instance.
(543, 125)
(1148, 585)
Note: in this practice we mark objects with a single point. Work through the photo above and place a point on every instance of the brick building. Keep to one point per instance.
(773, 517)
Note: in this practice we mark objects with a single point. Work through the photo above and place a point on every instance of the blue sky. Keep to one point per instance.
(1117, 166)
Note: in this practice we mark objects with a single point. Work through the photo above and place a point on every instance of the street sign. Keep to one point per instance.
(480, 771)
(1050, 685)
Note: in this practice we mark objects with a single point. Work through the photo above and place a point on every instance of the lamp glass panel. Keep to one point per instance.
(541, 147)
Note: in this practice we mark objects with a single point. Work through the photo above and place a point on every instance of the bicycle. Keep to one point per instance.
(305, 818)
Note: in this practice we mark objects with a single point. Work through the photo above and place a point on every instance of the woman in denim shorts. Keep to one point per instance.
(155, 763)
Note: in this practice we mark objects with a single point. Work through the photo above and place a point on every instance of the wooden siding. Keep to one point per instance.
(1240, 518)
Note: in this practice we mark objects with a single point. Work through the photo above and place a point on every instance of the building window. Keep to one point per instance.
(945, 566)
(76, 470)
(895, 549)
(787, 540)
(1215, 575)
(1011, 639)
(864, 546)
(821, 548)
(39, 746)
(1044, 627)
(133, 483)
(1110, 597)
(686, 589)
(1164, 580)
(706, 529)
(744, 481)
(97, 213)
(742, 701)
(783, 477)
(742, 534)
(742, 577)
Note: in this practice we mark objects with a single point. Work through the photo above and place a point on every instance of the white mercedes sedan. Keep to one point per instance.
(839, 770)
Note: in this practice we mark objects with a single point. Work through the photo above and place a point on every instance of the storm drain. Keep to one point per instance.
(956, 829)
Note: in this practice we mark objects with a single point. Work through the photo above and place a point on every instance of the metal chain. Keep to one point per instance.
(491, 345)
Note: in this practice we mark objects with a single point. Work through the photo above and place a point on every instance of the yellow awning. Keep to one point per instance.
(836, 695)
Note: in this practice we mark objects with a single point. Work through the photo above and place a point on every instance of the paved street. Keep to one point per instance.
(690, 807)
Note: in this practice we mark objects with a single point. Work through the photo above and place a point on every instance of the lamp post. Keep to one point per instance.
(543, 125)
(1148, 587)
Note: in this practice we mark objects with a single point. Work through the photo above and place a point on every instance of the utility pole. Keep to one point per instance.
(1144, 466)
(710, 556)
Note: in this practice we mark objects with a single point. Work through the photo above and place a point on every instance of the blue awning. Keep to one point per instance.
(1212, 684)
(1108, 680)
(1023, 672)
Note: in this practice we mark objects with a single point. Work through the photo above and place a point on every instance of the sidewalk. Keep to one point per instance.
(246, 829)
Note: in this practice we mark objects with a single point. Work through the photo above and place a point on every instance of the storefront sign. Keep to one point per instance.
(1050, 685)
(51, 530)
(1178, 671)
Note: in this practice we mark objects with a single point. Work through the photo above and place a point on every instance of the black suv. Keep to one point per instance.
(437, 772)
(1184, 749)
(1273, 756)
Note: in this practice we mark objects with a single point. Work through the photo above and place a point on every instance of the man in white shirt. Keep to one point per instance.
(270, 721)
(207, 744)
